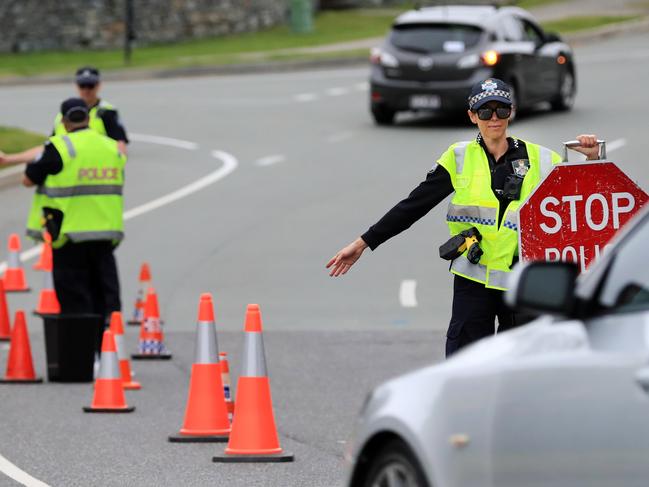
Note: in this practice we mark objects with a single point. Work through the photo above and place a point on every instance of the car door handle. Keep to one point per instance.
(642, 378)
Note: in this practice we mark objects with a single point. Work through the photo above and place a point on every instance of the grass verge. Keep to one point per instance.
(17, 140)
(574, 24)
(329, 28)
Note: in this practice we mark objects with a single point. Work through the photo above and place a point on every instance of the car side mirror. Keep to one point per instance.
(551, 37)
(543, 287)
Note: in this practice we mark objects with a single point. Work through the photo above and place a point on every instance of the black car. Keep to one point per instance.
(432, 56)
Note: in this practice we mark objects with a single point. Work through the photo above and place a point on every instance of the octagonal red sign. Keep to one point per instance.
(575, 212)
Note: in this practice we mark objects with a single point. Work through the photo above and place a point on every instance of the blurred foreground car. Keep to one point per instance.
(563, 401)
(433, 55)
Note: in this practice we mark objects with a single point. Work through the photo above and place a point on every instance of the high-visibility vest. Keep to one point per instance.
(89, 188)
(95, 122)
(35, 218)
(474, 204)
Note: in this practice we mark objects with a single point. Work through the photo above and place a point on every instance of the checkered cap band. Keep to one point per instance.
(470, 219)
(480, 96)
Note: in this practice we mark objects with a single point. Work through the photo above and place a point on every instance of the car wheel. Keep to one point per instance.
(383, 115)
(565, 99)
(395, 466)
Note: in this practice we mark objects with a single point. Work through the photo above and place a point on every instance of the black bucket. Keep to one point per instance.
(70, 345)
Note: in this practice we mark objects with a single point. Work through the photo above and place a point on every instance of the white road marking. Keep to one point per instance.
(337, 91)
(270, 160)
(304, 97)
(230, 163)
(339, 137)
(156, 139)
(408, 293)
(20, 476)
(4, 346)
(615, 145)
(364, 86)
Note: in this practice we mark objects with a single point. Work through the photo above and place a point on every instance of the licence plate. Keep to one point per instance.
(425, 101)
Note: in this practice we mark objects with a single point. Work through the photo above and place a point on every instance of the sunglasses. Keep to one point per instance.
(485, 113)
(87, 86)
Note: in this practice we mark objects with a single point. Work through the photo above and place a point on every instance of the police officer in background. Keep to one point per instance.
(80, 175)
(489, 178)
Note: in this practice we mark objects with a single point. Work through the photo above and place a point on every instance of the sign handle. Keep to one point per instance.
(575, 143)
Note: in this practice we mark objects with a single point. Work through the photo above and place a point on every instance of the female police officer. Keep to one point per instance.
(489, 177)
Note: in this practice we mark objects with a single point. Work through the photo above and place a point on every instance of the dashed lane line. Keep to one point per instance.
(305, 97)
(615, 145)
(229, 164)
(408, 293)
(337, 91)
(270, 160)
(156, 139)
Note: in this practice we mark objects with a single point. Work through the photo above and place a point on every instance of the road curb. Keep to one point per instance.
(578, 38)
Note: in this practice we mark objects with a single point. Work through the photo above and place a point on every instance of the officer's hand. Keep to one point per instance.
(3, 158)
(346, 257)
(588, 146)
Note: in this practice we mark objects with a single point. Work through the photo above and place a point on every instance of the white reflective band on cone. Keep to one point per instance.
(254, 358)
(207, 348)
(48, 281)
(13, 260)
(109, 366)
(119, 344)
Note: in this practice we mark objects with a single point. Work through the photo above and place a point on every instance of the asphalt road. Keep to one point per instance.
(302, 172)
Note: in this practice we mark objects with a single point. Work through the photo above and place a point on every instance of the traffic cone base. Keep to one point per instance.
(127, 409)
(180, 438)
(151, 356)
(268, 458)
(127, 382)
(37, 380)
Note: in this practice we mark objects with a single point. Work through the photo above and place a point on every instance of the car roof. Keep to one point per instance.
(478, 15)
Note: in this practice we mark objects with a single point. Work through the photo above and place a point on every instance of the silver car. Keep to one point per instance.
(563, 401)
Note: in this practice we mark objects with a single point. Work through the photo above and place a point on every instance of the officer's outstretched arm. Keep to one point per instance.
(24, 157)
(588, 146)
(346, 257)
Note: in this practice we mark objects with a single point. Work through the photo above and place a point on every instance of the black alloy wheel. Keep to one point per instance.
(565, 99)
(395, 466)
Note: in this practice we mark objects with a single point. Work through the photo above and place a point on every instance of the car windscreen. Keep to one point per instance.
(435, 38)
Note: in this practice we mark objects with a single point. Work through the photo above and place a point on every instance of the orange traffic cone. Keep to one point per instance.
(254, 435)
(145, 283)
(45, 262)
(225, 379)
(5, 326)
(109, 393)
(20, 366)
(206, 415)
(48, 303)
(14, 276)
(151, 345)
(117, 327)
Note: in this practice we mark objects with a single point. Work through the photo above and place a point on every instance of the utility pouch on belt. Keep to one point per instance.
(53, 219)
(457, 245)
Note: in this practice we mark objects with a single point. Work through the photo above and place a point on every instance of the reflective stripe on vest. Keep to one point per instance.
(498, 279)
(545, 160)
(88, 236)
(471, 214)
(462, 266)
(460, 150)
(511, 220)
(87, 190)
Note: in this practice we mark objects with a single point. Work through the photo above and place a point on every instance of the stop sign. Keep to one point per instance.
(575, 211)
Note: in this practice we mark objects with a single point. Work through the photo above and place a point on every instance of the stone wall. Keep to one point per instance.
(35, 25)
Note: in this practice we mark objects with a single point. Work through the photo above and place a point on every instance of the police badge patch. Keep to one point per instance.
(521, 166)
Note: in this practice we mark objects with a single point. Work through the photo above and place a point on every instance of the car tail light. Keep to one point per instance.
(490, 58)
(383, 58)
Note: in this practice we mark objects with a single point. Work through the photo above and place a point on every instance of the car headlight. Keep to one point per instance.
(470, 61)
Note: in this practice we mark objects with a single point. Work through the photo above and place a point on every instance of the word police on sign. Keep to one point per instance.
(575, 212)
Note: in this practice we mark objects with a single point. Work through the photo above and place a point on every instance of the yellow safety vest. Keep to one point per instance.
(89, 188)
(35, 217)
(474, 204)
